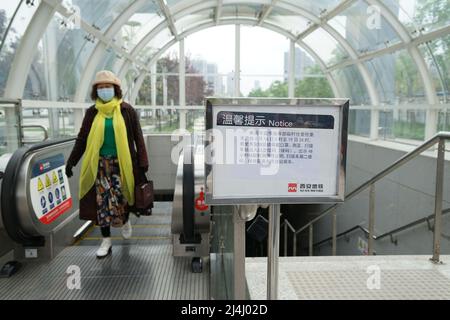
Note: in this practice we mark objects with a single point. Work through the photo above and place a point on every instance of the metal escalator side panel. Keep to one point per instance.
(8, 196)
(4, 159)
(20, 218)
(188, 234)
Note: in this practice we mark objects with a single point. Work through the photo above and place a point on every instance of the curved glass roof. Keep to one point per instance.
(352, 41)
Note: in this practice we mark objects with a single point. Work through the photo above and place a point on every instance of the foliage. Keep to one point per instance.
(311, 87)
(431, 14)
(196, 88)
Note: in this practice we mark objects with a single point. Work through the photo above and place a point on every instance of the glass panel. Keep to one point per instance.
(196, 90)
(170, 63)
(241, 10)
(408, 83)
(359, 122)
(57, 121)
(362, 33)
(145, 92)
(154, 46)
(444, 120)
(6, 14)
(351, 85)
(256, 74)
(213, 83)
(313, 84)
(108, 61)
(171, 3)
(59, 62)
(10, 42)
(326, 47)
(317, 7)
(288, 20)
(210, 53)
(437, 56)
(100, 13)
(421, 15)
(195, 120)
(188, 22)
(140, 24)
(167, 90)
(402, 125)
(30, 117)
(66, 127)
(9, 132)
(383, 73)
(409, 124)
(264, 86)
(161, 120)
(222, 253)
(129, 81)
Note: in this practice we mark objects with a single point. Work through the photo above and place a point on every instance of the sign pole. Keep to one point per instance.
(273, 246)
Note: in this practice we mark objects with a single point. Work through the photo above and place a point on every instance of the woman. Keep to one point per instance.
(115, 159)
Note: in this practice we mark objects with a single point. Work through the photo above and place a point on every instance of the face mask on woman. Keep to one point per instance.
(106, 94)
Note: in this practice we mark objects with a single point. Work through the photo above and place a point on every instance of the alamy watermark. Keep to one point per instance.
(254, 146)
(374, 280)
(72, 20)
(74, 279)
(373, 21)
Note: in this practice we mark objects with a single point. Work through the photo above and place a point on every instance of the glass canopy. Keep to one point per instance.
(375, 52)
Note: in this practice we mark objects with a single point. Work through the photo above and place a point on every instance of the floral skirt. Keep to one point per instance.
(111, 204)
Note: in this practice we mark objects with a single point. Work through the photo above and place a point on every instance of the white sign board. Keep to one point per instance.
(275, 153)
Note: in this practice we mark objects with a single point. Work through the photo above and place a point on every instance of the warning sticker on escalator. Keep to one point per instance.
(49, 189)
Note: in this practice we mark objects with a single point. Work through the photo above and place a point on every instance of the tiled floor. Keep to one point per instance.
(353, 278)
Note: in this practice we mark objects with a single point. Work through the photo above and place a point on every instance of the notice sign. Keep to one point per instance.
(275, 153)
(49, 189)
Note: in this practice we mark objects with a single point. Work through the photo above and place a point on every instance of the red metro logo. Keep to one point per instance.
(200, 202)
(292, 187)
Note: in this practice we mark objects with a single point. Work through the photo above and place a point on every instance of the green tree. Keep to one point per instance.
(196, 87)
(432, 14)
(407, 80)
(258, 93)
(317, 87)
(311, 87)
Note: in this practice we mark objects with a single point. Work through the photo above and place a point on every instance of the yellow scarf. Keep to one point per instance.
(89, 166)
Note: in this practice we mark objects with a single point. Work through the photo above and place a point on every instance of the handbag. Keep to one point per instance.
(143, 194)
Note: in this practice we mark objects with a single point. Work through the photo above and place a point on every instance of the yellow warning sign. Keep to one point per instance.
(55, 178)
(40, 185)
(47, 181)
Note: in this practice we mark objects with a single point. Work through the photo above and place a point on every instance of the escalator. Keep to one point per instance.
(39, 217)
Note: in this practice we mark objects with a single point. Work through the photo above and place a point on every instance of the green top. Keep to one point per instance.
(109, 142)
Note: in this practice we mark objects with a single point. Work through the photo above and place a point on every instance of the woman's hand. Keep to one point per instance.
(144, 169)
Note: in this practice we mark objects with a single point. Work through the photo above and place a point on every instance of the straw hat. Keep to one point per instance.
(105, 76)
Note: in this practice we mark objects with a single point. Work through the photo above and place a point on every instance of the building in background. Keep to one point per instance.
(302, 62)
(210, 72)
(230, 84)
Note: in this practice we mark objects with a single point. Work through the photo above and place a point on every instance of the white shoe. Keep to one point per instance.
(127, 230)
(105, 248)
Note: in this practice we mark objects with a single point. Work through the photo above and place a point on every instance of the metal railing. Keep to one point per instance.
(386, 234)
(440, 139)
(288, 227)
(44, 129)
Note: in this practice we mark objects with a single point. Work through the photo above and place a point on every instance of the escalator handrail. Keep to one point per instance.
(188, 197)
(9, 183)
